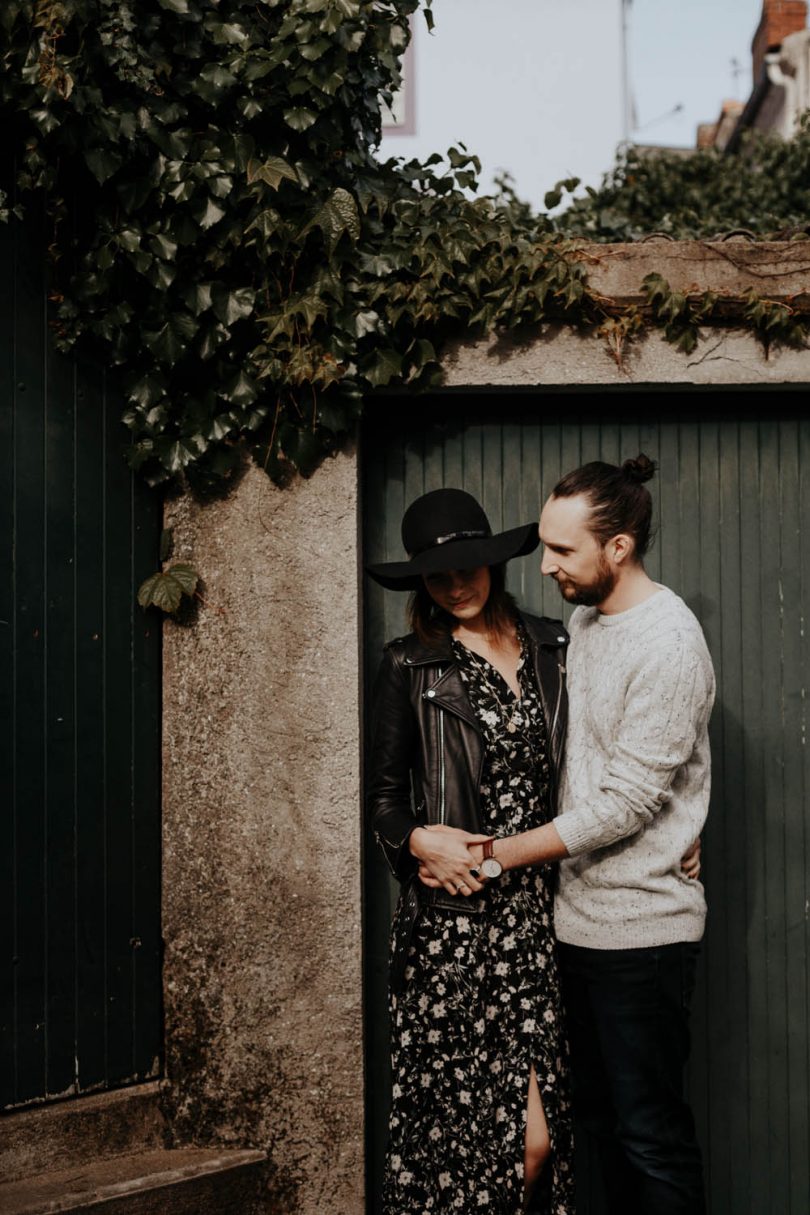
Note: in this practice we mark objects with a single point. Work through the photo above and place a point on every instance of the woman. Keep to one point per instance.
(469, 719)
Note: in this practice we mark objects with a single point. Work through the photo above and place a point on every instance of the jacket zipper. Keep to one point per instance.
(561, 670)
(442, 809)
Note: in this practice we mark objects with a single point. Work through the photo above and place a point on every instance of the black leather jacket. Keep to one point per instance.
(427, 751)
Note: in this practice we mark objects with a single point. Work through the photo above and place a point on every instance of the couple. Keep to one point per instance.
(543, 902)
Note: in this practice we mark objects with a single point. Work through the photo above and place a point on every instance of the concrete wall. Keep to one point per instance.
(261, 811)
(559, 357)
(562, 358)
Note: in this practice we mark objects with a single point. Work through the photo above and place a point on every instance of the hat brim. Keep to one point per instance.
(456, 555)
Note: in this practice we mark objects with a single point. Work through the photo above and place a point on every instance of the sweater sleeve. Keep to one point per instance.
(667, 704)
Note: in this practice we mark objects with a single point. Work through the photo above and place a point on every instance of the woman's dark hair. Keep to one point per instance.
(619, 501)
(433, 625)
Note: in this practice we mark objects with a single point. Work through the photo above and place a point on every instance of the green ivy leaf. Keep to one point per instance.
(382, 368)
(271, 171)
(147, 391)
(102, 162)
(299, 118)
(338, 214)
(166, 589)
(227, 33)
(209, 213)
(230, 306)
(241, 390)
(163, 247)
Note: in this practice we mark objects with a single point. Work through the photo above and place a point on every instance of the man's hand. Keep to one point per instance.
(690, 861)
(446, 856)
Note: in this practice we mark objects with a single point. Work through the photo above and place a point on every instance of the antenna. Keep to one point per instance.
(676, 109)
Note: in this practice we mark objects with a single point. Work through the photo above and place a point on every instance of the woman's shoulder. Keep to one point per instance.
(399, 645)
(408, 650)
(545, 629)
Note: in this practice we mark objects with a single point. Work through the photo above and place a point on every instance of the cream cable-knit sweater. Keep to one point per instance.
(635, 787)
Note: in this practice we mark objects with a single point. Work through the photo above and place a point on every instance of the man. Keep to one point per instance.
(634, 797)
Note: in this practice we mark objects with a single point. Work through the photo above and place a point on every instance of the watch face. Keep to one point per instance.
(491, 868)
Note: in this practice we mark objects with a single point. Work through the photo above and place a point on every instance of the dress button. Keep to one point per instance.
(430, 692)
(561, 639)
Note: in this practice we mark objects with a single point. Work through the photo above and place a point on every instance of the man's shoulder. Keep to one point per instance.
(581, 620)
(673, 617)
(671, 633)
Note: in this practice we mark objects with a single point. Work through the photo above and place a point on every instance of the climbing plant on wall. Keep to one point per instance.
(223, 233)
(762, 190)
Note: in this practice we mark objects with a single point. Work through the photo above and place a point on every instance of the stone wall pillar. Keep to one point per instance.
(261, 883)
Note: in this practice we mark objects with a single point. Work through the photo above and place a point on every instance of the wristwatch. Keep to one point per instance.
(491, 867)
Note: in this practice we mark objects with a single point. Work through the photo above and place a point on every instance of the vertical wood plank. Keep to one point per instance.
(754, 797)
(117, 752)
(792, 558)
(60, 804)
(8, 521)
(725, 859)
(706, 606)
(649, 441)
(91, 934)
(773, 827)
(147, 1007)
(511, 514)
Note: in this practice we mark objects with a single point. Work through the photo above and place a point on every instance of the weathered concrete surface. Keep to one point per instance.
(89, 1128)
(262, 837)
(561, 357)
(189, 1182)
(776, 270)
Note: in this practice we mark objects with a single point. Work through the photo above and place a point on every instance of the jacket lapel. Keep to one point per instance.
(448, 692)
(445, 690)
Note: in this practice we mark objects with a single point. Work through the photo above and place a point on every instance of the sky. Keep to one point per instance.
(680, 52)
(535, 87)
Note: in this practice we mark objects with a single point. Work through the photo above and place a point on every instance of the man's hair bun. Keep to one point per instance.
(640, 469)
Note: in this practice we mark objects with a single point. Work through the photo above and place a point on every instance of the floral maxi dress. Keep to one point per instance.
(481, 1001)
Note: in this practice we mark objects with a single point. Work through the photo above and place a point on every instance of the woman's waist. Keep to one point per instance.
(516, 887)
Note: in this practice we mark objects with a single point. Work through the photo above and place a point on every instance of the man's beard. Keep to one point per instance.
(590, 594)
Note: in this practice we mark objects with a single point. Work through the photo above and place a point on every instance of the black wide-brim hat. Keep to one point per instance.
(448, 530)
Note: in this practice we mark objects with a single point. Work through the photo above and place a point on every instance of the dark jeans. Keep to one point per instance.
(628, 1022)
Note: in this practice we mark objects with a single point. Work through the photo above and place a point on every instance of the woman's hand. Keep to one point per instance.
(690, 861)
(445, 858)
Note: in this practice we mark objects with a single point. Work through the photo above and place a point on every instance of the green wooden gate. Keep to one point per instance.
(733, 503)
(80, 1002)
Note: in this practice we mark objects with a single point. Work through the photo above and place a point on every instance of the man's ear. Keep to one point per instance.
(620, 548)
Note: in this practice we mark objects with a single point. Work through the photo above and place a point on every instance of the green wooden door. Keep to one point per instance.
(80, 946)
(733, 506)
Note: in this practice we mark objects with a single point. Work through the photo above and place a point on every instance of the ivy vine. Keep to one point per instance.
(223, 232)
